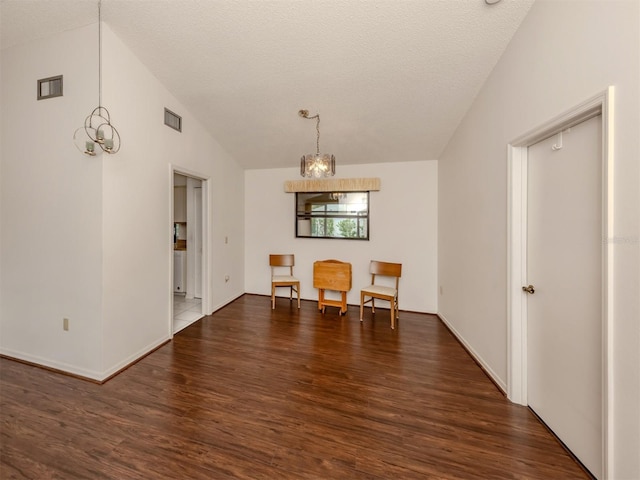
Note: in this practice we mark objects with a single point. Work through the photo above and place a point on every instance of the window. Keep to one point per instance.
(332, 215)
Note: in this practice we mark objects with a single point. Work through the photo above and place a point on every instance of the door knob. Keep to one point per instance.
(529, 289)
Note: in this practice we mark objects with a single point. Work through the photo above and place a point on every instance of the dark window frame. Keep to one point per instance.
(327, 219)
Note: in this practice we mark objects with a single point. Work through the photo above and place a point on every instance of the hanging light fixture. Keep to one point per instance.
(316, 164)
(98, 134)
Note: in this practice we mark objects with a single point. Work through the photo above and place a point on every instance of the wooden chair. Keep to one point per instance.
(387, 293)
(278, 263)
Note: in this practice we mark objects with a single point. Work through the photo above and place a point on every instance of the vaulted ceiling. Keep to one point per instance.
(391, 79)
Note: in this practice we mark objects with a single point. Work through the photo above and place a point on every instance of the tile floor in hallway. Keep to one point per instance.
(185, 311)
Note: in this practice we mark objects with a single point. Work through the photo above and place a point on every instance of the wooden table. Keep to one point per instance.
(332, 275)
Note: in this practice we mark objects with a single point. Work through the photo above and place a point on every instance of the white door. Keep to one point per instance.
(564, 265)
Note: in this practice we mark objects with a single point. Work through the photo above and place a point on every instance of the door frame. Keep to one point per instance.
(198, 239)
(206, 272)
(600, 104)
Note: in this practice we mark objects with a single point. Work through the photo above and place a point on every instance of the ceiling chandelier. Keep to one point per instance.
(98, 134)
(317, 164)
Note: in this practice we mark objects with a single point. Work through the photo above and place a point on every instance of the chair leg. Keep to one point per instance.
(361, 304)
(298, 292)
(393, 318)
(273, 297)
(394, 312)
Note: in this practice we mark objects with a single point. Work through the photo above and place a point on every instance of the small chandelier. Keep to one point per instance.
(317, 164)
(97, 130)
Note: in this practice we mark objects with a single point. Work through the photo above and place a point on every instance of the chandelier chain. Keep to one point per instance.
(305, 114)
(99, 53)
(318, 135)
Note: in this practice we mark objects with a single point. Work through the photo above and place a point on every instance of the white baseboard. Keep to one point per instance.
(485, 366)
(135, 357)
(83, 372)
(225, 302)
(52, 364)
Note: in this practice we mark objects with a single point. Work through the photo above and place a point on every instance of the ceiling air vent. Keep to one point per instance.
(172, 120)
(50, 87)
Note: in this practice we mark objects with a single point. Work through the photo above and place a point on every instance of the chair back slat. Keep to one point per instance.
(385, 268)
(287, 260)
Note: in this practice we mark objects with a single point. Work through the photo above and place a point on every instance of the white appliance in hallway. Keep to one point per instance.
(179, 271)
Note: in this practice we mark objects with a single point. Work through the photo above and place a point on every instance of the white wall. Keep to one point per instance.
(91, 238)
(137, 196)
(564, 53)
(50, 260)
(403, 228)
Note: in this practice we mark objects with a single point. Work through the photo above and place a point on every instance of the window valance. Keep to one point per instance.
(333, 185)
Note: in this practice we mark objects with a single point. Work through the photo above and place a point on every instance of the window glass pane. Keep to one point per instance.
(333, 215)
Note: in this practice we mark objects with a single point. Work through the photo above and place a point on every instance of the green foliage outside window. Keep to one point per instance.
(332, 215)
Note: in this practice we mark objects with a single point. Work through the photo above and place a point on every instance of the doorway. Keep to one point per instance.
(189, 249)
(530, 345)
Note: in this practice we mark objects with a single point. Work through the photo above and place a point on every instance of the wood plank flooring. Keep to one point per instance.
(255, 393)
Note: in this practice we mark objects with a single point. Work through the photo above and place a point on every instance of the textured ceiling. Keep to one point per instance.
(391, 79)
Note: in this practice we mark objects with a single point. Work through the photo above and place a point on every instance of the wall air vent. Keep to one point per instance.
(172, 120)
(50, 87)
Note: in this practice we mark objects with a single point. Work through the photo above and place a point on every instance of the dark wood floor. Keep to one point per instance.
(259, 394)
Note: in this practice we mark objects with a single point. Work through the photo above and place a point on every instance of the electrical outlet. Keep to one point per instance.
(65, 324)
